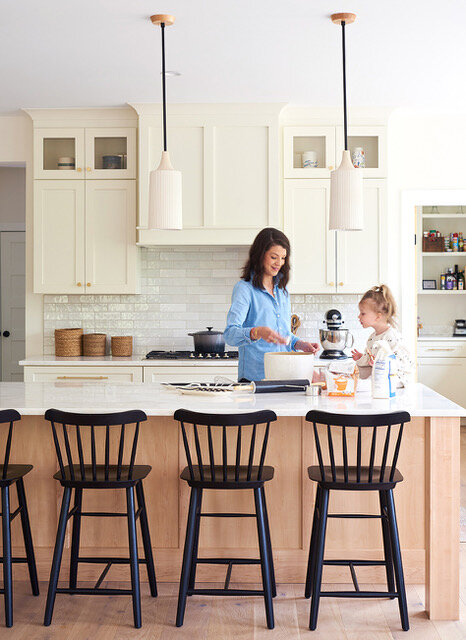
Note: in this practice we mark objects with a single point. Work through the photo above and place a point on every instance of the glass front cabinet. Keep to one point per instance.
(91, 154)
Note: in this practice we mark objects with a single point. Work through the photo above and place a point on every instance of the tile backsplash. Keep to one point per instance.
(183, 289)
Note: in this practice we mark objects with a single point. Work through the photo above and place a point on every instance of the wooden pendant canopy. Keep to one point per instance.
(164, 18)
(347, 18)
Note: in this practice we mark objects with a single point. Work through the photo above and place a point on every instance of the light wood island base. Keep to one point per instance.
(427, 505)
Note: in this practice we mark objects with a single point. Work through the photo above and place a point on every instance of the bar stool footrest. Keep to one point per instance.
(225, 592)
(92, 591)
(359, 594)
(227, 561)
(102, 560)
(356, 563)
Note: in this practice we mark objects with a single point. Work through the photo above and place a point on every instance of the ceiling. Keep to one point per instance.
(58, 53)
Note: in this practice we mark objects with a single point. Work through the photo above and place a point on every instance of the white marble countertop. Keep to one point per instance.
(33, 398)
(130, 361)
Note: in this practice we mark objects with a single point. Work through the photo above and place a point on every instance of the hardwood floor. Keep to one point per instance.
(207, 618)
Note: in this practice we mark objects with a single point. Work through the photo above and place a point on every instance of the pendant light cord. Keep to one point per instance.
(344, 84)
(164, 106)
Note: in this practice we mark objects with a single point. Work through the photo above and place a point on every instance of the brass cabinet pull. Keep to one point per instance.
(82, 377)
(440, 349)
(88, 169)
(88, 284)
(79, 284)
(331, 284)
(79, 169)
(340, 284)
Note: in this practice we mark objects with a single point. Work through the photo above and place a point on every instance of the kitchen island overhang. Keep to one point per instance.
(427, 500)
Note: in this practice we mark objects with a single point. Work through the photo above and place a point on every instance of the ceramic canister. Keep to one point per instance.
(65, 163)
(358, 158)
(310, 159)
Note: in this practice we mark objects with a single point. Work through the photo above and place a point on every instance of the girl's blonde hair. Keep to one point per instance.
(384, 302)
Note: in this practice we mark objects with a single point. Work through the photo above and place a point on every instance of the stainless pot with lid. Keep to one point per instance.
(208, 341)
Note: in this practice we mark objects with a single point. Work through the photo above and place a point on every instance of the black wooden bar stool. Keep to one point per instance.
(209, 432)
(79, 436)
(13, 474)
(380, 474)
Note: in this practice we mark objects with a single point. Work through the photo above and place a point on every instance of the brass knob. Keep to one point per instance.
(332, 284)
(330, 167)
(88, 284)
(78, 284)
(88, 169)
(79, 169)
(340, 284)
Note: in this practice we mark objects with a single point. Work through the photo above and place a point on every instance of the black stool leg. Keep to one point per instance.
(133, 555)
(57, 555)
(319, 558)
(269, 548)
(27, 536)
(192, 573)
(400, 582)
(78, 499)
(146, 540)
(7, 574)
(387, 547)
(187, 555)
(265, 560)
(312, 544)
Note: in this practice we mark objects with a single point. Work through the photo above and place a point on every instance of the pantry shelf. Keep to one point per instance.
(437, 292)
(443, 254)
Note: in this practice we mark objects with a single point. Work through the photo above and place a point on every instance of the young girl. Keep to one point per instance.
(377, 309)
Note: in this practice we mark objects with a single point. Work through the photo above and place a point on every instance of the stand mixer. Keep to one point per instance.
(334, 339)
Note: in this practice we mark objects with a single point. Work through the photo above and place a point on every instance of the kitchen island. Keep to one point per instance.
(427, 501)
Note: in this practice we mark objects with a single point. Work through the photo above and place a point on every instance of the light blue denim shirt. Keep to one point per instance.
(253, 307)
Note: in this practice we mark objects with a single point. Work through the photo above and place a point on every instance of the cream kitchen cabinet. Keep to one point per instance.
(195, 373)
(84, 153)
(76, 374)
(85, 236)
(327, 143)
(229, 158)
(445, 375)
(326, 261)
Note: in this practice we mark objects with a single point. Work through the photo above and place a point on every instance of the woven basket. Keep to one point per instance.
(68, 342)
(122, 346)
(94, 344)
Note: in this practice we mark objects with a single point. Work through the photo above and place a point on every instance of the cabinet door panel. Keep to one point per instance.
(110, 236)
(58, 236)
(359, 254)
(241, 177)
(195, 373)
(52, 145)
(102, 144)
(313, 245)
(82, 374)
(447, 376)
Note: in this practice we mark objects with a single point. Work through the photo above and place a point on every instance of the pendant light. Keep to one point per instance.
(165, 210)
(346, 186)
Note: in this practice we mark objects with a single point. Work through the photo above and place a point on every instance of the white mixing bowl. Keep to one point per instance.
(288, 365)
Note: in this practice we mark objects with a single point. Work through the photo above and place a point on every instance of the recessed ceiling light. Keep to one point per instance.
(169, 74)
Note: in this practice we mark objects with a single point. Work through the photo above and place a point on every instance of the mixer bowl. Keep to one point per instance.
(336, 340)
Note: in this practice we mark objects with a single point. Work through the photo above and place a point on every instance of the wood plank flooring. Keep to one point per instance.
(207, 618)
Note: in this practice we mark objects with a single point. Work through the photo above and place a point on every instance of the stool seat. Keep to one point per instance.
(13, 473)
(350, 483)
(235, 478)
(114, 478)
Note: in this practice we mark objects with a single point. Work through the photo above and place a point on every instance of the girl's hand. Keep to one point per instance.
(356, 354)
(307, 347)
(268, 335)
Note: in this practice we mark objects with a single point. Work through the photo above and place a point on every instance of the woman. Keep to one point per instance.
(259, 319)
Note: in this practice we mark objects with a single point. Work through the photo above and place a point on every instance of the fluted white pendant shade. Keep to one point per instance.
(346, 197)
(165, 210)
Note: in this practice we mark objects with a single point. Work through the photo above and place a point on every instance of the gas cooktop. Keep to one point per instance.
(190, 355)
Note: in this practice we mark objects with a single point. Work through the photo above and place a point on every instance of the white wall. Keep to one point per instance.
(426, 151)
(12, 195)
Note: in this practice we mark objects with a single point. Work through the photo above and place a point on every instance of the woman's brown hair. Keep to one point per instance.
(253, 270)
(384, 302)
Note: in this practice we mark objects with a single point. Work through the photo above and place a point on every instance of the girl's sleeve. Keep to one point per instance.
(236, 334)
(403, 357)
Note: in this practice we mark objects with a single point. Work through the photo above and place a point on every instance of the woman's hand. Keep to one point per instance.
(307, 347)
(268, 335)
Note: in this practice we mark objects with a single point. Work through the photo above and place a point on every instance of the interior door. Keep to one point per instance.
(13, 295)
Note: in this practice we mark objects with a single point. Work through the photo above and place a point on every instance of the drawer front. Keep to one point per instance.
(84, 374)
(447, 376)
(188, 374)
(441, 349)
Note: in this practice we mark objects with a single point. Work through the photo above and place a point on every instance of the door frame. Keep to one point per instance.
(410, 201)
